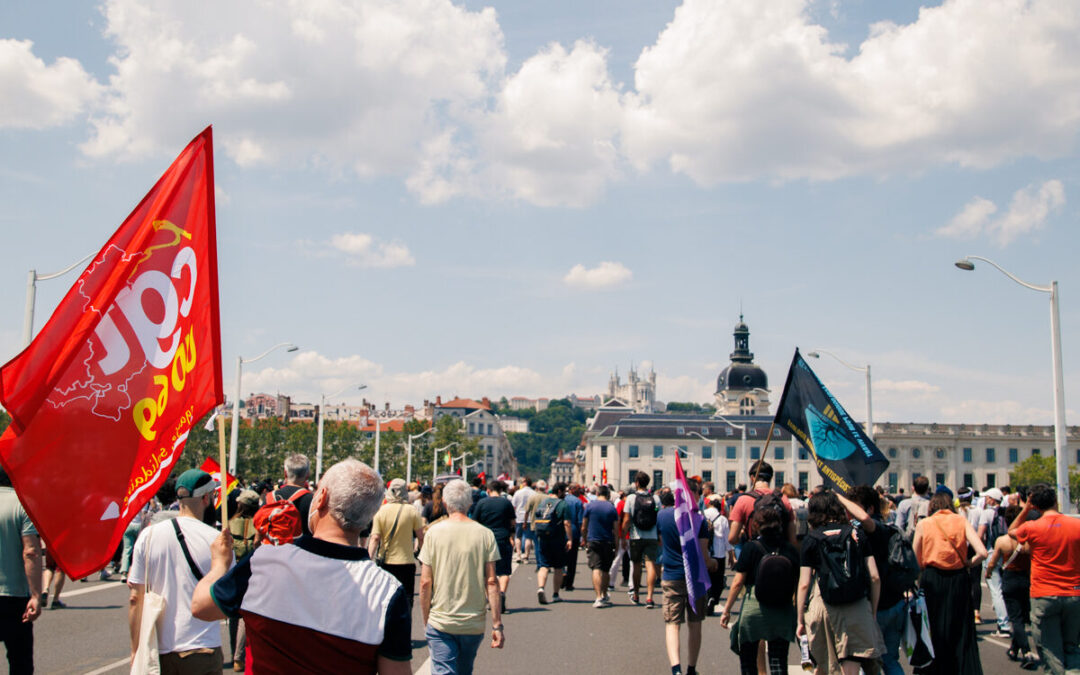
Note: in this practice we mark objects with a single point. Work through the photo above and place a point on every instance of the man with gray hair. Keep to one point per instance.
(457, 576)
(365, 629)
(297, 468)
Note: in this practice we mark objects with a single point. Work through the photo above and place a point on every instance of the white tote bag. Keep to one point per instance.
(146, 656)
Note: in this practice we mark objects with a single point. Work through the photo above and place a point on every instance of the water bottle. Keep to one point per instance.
(804, 653)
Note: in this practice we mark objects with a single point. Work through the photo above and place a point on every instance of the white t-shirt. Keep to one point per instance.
(721, 530)
(158, 562)
(521, 501)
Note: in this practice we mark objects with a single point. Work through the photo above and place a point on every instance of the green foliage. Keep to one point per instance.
(1034, 469)
(559, 427)
(677, 407)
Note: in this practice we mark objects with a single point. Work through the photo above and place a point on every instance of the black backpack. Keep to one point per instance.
(774, 501)
(546, 522)
(774, 581)
(902, 566)
(842, 577)
(644, 512)
(997, 528)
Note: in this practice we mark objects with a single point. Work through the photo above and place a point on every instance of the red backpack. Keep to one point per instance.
(278, 521)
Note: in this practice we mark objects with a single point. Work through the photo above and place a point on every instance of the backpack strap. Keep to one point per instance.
(187, 553)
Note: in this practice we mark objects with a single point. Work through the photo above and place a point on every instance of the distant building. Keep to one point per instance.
(524, 403)
(743, 387)
(638, 393)
(479, 422)
(562, 469)
(586, 403)
(514, 425)
(264, 406)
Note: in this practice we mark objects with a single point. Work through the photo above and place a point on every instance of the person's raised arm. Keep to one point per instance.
(1020, 519)
(858, 513)
(203, 606)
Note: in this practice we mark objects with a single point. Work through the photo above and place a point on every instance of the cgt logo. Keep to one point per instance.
(165, 296)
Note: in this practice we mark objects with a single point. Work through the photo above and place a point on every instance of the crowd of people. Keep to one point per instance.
(840, 575)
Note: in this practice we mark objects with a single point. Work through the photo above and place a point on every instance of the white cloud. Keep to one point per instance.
(36, 95)
(366, 251)
(604, 275)
(1028, 211)
(736, 91)
(910, 387)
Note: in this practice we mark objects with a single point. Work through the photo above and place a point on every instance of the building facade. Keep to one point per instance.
(637, 392)
(479, 423)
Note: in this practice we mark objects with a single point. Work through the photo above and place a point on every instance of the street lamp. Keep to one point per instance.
(464, 469)
(32, 278)
(716, 451)
(743, 468)
(689, 455)
(435, 460)
(235, 434)
(1064, 502)
(869, 410)
(322, 416)
(412, 437)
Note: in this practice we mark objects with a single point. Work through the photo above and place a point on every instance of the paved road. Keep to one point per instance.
(90, 636)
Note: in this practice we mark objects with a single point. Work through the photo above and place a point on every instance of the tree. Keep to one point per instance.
(678, 407)
(5, 420)
(1034, 469)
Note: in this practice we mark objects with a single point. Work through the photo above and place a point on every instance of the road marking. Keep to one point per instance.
(425, 668)
(93, 589)
(1006, 645)
(126, 661)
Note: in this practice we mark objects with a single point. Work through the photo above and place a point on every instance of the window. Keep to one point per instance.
(680, 431)
(991, 480)
(706, 476)
(1078, 455)
(755, 452)
(630, 478)
(1014, 455)
(1035, 452)
(804, 481)
(969, 480)
(730, 480)
(779, 478)
(779, 454)
(940, 453)
(892, 453)
(916, 453)
(683, 454)
(633, 451)
(730, 452)
(803, 453)
(603, 451)
(657, 451)
(704, 431)
(752, 432)
(730, 432)
(706, 452)
(893, 479)
(967, 455)
(472, 427)
(915, 475)
(991, 456)
(776, 433)
(489, 430)
(939, 478)
(657, 478)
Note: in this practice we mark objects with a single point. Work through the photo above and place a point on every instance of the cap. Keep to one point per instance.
(995, 494)
(194, 483)
(399, 489)
(942, 490)
(965, 495)
(426, 491)
(248, 498)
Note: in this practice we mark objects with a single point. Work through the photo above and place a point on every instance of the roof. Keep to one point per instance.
(466, 403)
(657, 426)
(392, 425)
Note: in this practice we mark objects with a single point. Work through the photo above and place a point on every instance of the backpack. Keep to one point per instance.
(997, 528)
(842, 577)
(644, 516)
(774, 501)
(902, 566)
(919, 510)
(802, 525)
(546, 522)
(278, 520)
(774, 581)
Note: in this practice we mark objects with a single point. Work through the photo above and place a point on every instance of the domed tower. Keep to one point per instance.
(743, 387)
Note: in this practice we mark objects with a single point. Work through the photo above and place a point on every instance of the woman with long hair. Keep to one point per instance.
(941, 544)
(840, 621)
(768, 615)
(436, 508)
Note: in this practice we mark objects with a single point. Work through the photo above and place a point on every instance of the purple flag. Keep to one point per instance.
(688, 522)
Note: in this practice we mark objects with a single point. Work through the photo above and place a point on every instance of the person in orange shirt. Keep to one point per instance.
(1054, 542)
(941, 544)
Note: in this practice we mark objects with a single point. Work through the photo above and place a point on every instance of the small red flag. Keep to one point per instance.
(603, 475)
(211, 467)
(104, 397)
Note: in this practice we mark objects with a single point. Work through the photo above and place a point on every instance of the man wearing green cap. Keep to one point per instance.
(170, 558)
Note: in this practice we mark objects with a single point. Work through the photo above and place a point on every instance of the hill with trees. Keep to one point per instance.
(558, 427)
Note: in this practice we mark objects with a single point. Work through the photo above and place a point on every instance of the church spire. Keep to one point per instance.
(742, 353)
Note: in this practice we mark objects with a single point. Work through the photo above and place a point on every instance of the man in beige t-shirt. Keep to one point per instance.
(456, 577)
(392, 537)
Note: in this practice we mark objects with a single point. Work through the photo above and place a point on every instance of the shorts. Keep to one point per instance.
(649, 549)
(504, 565)
(677, 603)
(600, 555)
(551, 553)
(519, 531)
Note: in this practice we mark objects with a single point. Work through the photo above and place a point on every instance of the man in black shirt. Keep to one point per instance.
(863, 503)
(297, 469)
(496, 513)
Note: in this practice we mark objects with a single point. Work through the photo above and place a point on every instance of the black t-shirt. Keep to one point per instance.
(754, 551)
(812, 544)
(303, 504)
(497, 514)
(879, 545)
(428, 512)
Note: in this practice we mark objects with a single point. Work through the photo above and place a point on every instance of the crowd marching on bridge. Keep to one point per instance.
(857, 580)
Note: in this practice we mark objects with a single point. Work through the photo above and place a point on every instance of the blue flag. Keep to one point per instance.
(688, 521)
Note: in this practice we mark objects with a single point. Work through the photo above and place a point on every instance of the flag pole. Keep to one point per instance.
(222, 475)
(764, 453)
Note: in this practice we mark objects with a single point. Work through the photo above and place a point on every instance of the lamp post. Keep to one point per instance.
(689, 455)
(32, 278)
(866, 369)
(412, 437)
(378, 429)
(235, 432)
(1061, 461)
(435, 460)
(322, 416)
(743, 468)
(716, 452)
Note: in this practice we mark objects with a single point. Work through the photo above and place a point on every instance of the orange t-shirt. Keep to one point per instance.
(943, 547)
(1054, 541)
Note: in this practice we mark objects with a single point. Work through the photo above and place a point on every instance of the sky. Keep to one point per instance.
(516, 198)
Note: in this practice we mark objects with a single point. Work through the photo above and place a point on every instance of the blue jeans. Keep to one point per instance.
(892, 622)
(452, 654)
(998, 599)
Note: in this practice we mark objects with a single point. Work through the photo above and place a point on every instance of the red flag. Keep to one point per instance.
(603, 475)
(104, 397)
(211, 467)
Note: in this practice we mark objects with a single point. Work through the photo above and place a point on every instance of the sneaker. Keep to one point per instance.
(45, 599)
(1030, 662)
(607, 601)
(611, 587)
(634, 597)
(649, 604)
(1001, 635)
(56, 604)
(599, 603)
(606, 598)
(540, 597)
(555, 598)
(104, 575)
